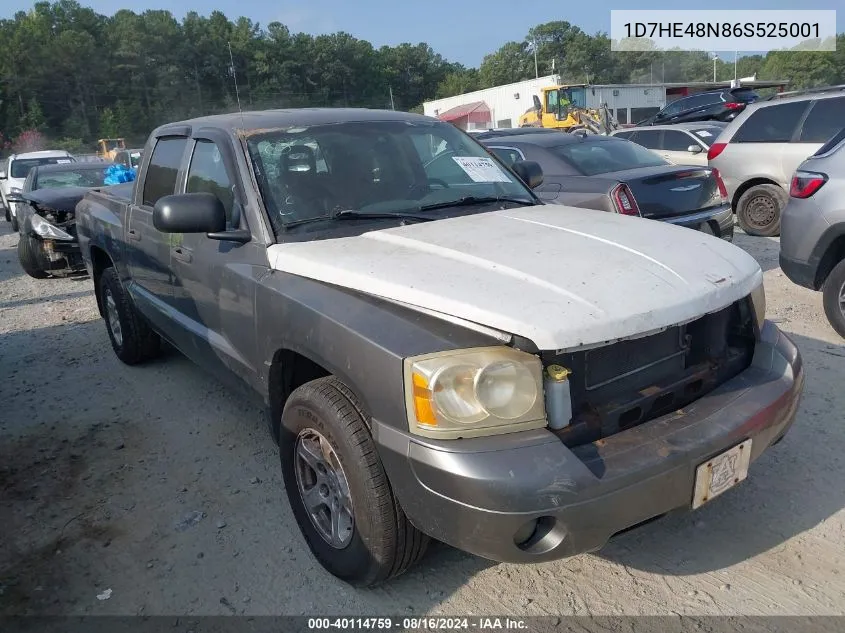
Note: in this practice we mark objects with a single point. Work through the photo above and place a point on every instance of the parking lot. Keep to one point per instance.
(156, 483)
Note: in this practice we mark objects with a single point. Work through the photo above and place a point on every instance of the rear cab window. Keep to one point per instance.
(603, 157)
(163, 169)
(771, 124)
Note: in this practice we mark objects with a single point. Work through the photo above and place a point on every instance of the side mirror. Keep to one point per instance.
(189, 213)
(694, 149)
(529, 172)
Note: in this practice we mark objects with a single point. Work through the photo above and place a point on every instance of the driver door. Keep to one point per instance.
(214, 281)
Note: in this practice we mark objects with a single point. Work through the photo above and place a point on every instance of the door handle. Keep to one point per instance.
(182, 254)
(134, 235)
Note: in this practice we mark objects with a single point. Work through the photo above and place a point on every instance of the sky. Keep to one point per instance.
(460, 31)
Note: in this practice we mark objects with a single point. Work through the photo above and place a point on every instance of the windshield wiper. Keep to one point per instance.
(472, 200)
(352, 214)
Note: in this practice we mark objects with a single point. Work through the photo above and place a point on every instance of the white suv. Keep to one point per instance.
(760, 150)
(13, 175)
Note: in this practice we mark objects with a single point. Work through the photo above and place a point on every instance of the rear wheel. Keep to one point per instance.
(338, 490)
(758, 210)
(29, 255)
(131, 337)
(834, 298)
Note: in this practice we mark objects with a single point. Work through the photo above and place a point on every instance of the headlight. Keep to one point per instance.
(758, 299)
(474, 392)
(47, 230)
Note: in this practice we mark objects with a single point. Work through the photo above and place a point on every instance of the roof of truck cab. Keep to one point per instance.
(275, 119)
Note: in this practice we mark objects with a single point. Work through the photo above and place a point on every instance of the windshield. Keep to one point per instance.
(707, 134)
(113, 144)
(374, 167)
(81, 177)
(601, 157)
(21, 166)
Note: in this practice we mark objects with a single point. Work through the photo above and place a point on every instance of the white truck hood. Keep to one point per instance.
(560, 276)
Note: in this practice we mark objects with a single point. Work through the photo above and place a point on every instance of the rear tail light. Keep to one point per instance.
(715, 150)
(624, 201)
(733, 105)
(806, 183)
(723, 191)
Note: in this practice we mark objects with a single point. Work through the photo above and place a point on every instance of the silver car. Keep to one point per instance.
(760, 150)
(679, 143)
(812, 243)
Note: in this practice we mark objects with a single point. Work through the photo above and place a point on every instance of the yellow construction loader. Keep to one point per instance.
(107, 148)
(564, 108)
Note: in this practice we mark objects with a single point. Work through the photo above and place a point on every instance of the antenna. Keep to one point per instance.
(235, 77)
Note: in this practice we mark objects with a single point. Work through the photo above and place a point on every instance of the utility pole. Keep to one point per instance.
(715, 59)
(536, 67)
(392, 105)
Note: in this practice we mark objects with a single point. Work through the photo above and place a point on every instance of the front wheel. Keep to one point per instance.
(758, 210)
(834, 298)
(29, 255)
(338, 490)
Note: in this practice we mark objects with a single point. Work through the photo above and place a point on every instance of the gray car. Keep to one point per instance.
(760, 150)
(612, 174)
(812, 246)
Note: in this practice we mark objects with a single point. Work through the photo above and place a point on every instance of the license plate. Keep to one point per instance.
(721, 473)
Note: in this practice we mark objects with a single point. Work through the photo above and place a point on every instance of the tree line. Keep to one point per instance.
(71, 75)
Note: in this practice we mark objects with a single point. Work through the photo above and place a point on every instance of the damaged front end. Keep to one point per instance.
(48, 225)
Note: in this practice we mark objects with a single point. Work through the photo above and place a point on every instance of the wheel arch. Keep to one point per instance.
(834, 252)
(748, 184)
(100, 260)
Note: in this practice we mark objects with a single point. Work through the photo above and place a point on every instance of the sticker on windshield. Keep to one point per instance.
(62, 161)
(703, 133)
(481, 169)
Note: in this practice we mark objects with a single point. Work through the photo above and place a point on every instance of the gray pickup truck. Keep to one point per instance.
(441, 355)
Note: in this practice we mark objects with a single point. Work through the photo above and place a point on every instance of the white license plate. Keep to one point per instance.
(721, 473)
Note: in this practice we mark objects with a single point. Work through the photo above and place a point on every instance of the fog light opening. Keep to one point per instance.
(539, 535)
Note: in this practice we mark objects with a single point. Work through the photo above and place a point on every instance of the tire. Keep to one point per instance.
(131, 337)
(14, 222)
(833, 293)
(29, 255)
(8, 214)
(380, 541)
(758, 210)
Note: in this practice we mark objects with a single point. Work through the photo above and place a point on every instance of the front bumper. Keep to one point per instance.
(477, 495)
(60, 257)
(719, 221)
(799, 272)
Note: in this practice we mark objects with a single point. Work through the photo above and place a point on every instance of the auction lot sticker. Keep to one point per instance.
(481, 169)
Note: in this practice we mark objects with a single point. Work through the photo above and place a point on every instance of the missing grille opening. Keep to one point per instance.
(693, 388)
(663, 403)
(630, 417)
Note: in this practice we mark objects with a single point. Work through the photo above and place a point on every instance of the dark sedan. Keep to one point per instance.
(46, 215)
(612, 174)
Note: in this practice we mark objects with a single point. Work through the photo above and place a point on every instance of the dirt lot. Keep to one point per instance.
(156, 483)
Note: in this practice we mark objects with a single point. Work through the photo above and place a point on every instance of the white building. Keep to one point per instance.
(501, 107)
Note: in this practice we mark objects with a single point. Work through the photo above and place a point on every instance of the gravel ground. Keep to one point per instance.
(158, 484)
